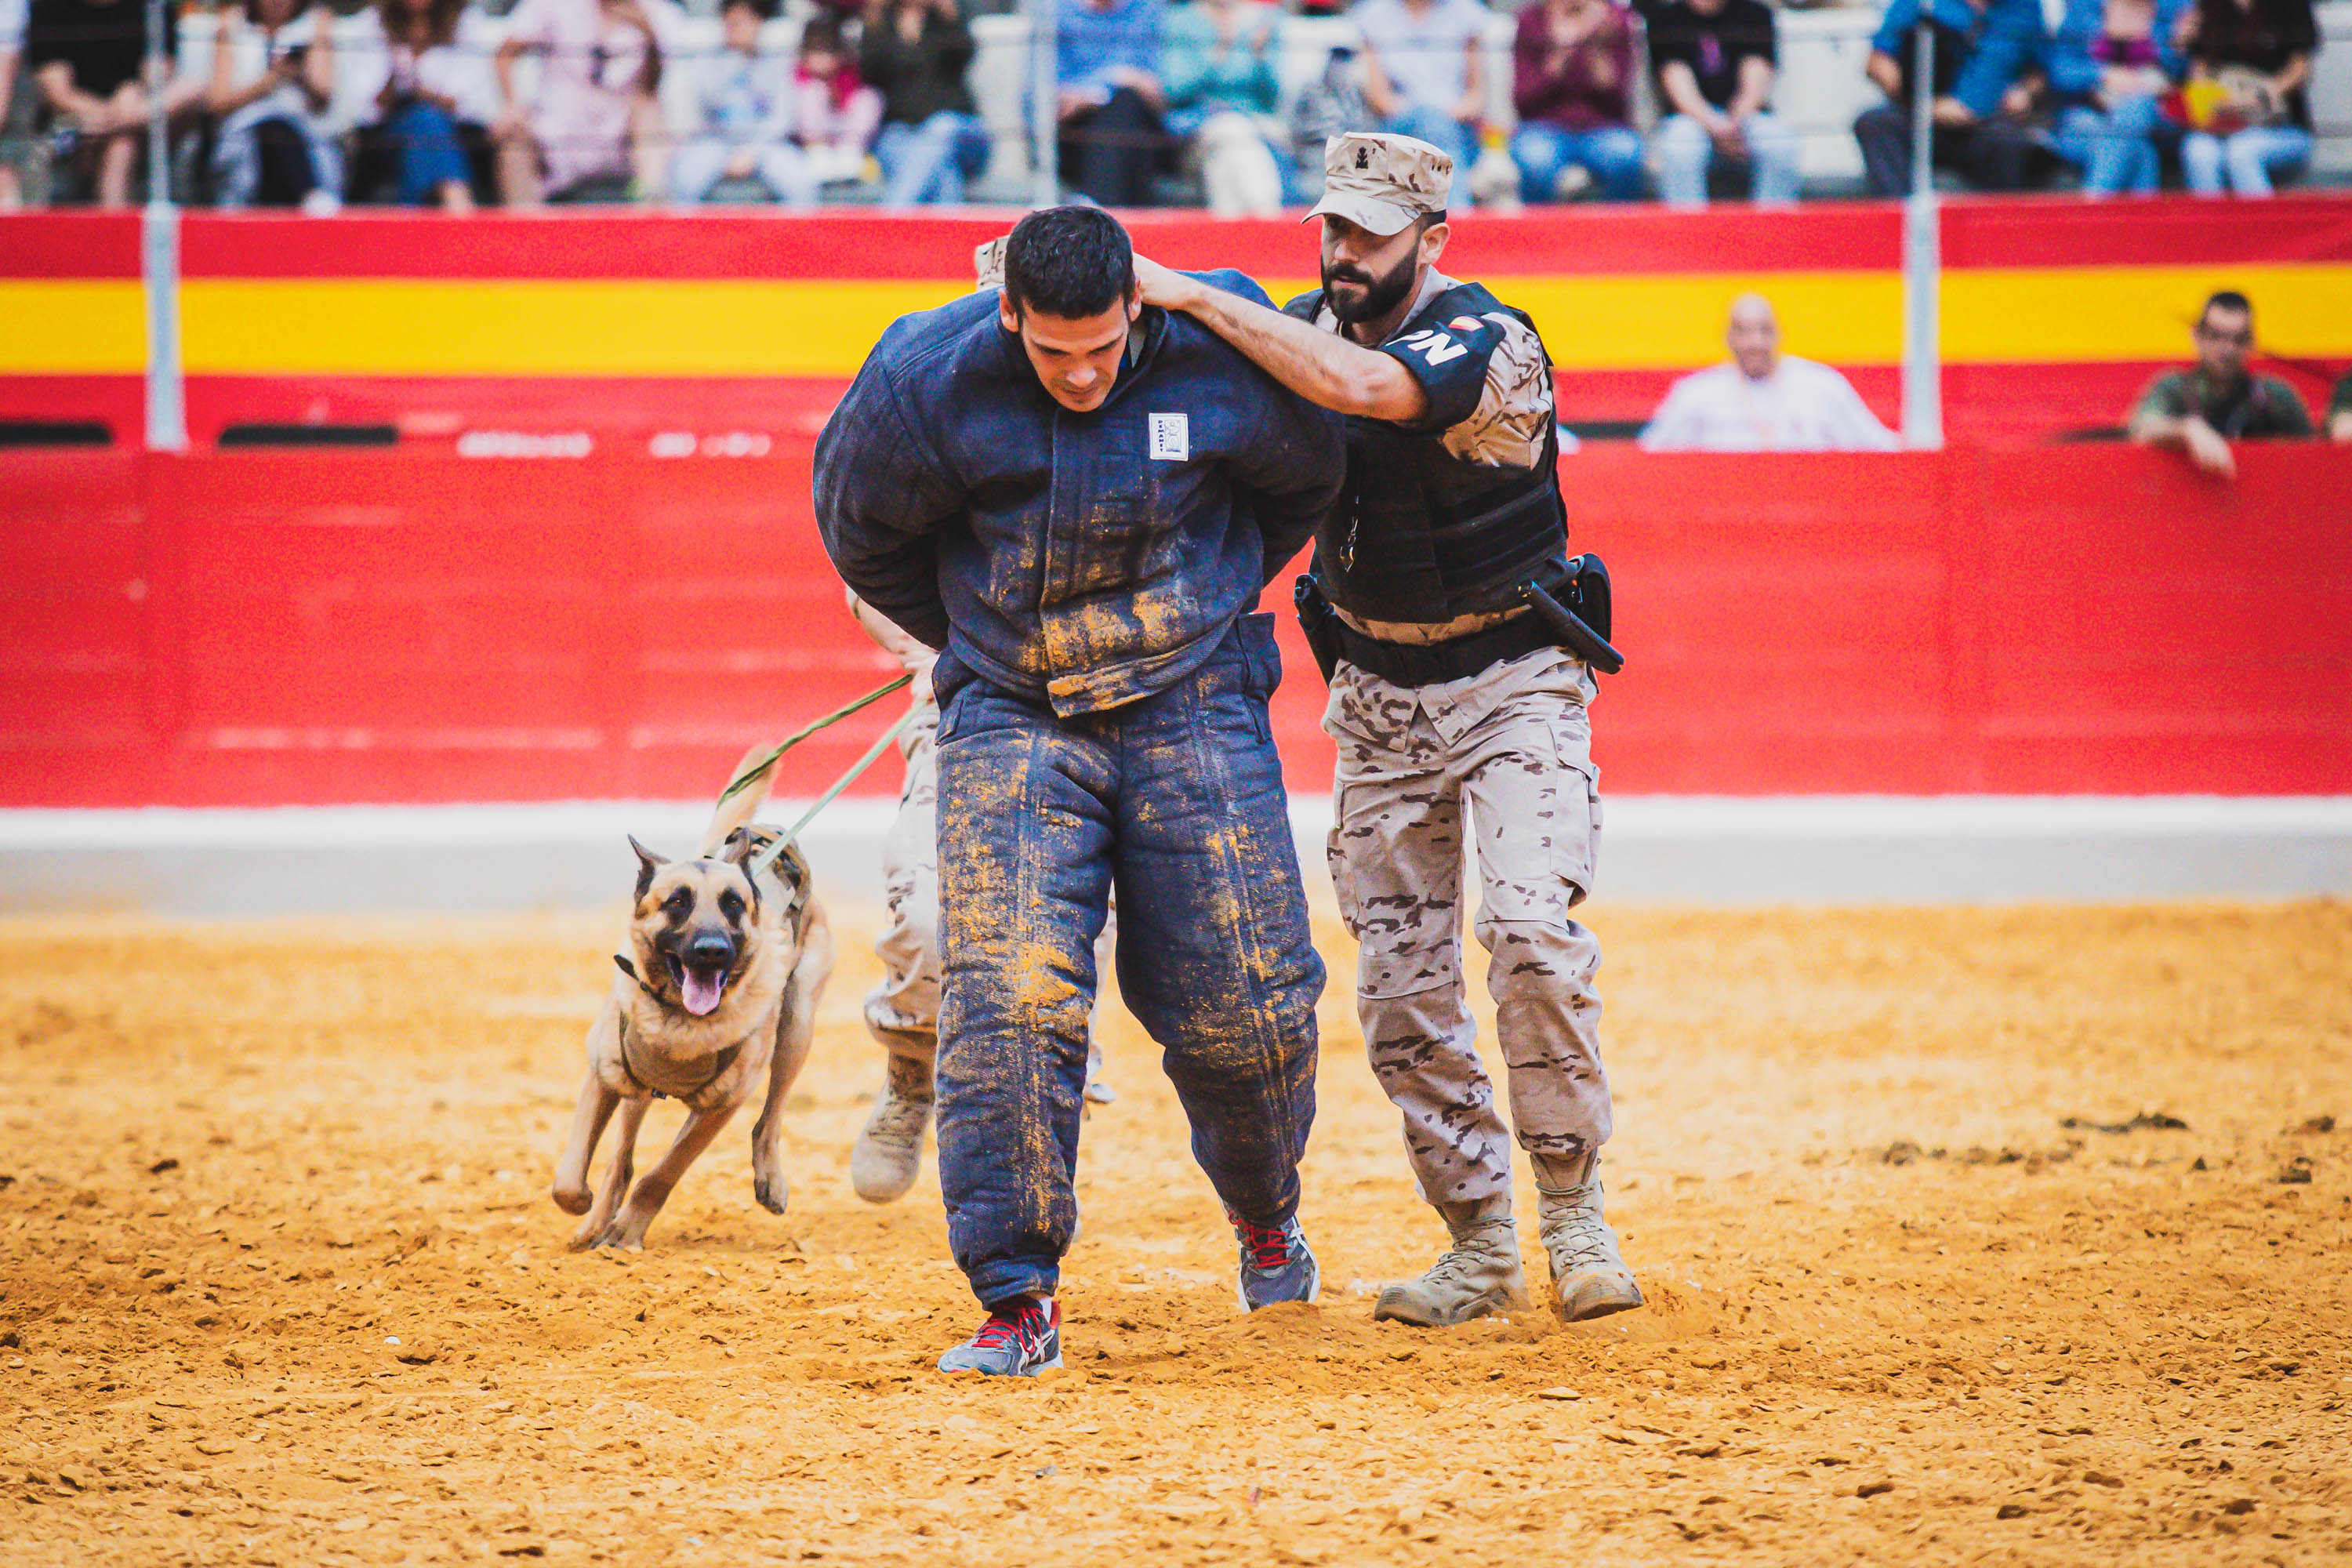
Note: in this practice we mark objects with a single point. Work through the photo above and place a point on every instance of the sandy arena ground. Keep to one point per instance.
(1910, 1302)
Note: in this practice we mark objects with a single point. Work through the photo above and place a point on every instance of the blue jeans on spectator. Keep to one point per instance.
(426, 139)
(1178, 800)
(1684, 150)
(1612, 154)
(2115, 148)
(2246, 158)
(1447, 134)
(928, 164)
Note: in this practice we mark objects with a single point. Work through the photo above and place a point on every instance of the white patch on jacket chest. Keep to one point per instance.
(1171, 438)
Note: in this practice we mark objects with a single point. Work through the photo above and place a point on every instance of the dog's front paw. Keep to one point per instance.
(772, 1191)
(627, 1231)
(572, 1200)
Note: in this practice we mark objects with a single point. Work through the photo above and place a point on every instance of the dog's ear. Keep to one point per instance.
(740, 844)
(647, 864)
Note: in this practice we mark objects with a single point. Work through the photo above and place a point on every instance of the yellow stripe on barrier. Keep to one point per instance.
(73, 326)
(2074, 315)
(1674, 321)
(514, 327)
(825, 326)
(465, 327)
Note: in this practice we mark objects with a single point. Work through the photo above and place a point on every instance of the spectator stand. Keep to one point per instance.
(1819, 90)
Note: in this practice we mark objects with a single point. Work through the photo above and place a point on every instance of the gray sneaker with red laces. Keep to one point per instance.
(1275, 1265)
(1021, 1339)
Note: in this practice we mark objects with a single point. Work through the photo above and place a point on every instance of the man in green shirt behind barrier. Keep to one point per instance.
(2201, 410)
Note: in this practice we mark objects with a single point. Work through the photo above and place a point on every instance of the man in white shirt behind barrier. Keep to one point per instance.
(1762, 400)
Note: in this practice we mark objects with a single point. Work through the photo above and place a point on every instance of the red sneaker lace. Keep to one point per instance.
(1000, 1328)
(1268, 1250)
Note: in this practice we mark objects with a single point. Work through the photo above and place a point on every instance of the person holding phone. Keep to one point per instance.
(272, 82)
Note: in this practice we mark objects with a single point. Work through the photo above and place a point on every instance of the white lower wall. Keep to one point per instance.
(1656, 849)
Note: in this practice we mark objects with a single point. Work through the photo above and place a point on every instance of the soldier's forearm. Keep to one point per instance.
(1322, 367)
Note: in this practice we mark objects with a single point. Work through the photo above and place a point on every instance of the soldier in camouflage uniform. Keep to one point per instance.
(1446, 691)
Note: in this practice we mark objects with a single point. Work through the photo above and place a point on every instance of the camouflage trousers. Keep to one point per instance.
(903, 1008)
(1514, 744)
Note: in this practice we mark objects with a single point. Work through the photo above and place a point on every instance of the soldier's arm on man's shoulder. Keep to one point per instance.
(1323, 367)
(1234, 282)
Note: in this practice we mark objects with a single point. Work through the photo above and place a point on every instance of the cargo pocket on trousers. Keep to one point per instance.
(1577, 840)
(1405, 917)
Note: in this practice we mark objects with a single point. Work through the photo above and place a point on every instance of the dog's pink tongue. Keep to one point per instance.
(702, 990)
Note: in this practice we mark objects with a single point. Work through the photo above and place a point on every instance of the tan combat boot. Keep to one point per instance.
(1589, 1275)
(1479, 1274)
(889, 1154)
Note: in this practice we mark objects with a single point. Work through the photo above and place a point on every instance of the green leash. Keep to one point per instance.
(767, 858)
(758, 770)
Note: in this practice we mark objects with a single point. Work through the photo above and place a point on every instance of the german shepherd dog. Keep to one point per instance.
(716, 996)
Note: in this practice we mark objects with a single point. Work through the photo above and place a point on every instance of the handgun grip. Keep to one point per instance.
(1574, 634)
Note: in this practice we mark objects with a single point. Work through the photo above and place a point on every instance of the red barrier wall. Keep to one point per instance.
(248, 629)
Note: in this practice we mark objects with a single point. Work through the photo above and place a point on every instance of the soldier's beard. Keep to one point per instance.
(1379, 296)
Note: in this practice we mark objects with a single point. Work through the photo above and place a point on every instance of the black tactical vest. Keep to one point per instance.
(1422, 535)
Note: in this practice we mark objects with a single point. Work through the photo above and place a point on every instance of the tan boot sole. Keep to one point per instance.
(1598, 1295)
(1396, 1305)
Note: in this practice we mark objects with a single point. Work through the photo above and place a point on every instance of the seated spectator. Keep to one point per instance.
(1716, 61)
(915, 52)
(273, 78)
(1987, 54)
(834, 113)
(1425, 71)
(2110, 71)
(2201, 410)
(2339, 410)
(87, 58)
(1763, 400)
(595, 116)
(1110, 98)
(2249, 67)
(429, 96)
(744, 103)
(1572, 79)
(12, 48)
(1222, 87)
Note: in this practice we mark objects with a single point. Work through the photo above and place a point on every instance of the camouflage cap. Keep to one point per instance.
(1382, 182)
(988, 264)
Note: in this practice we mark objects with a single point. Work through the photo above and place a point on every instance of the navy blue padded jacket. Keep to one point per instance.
(1086, 560)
